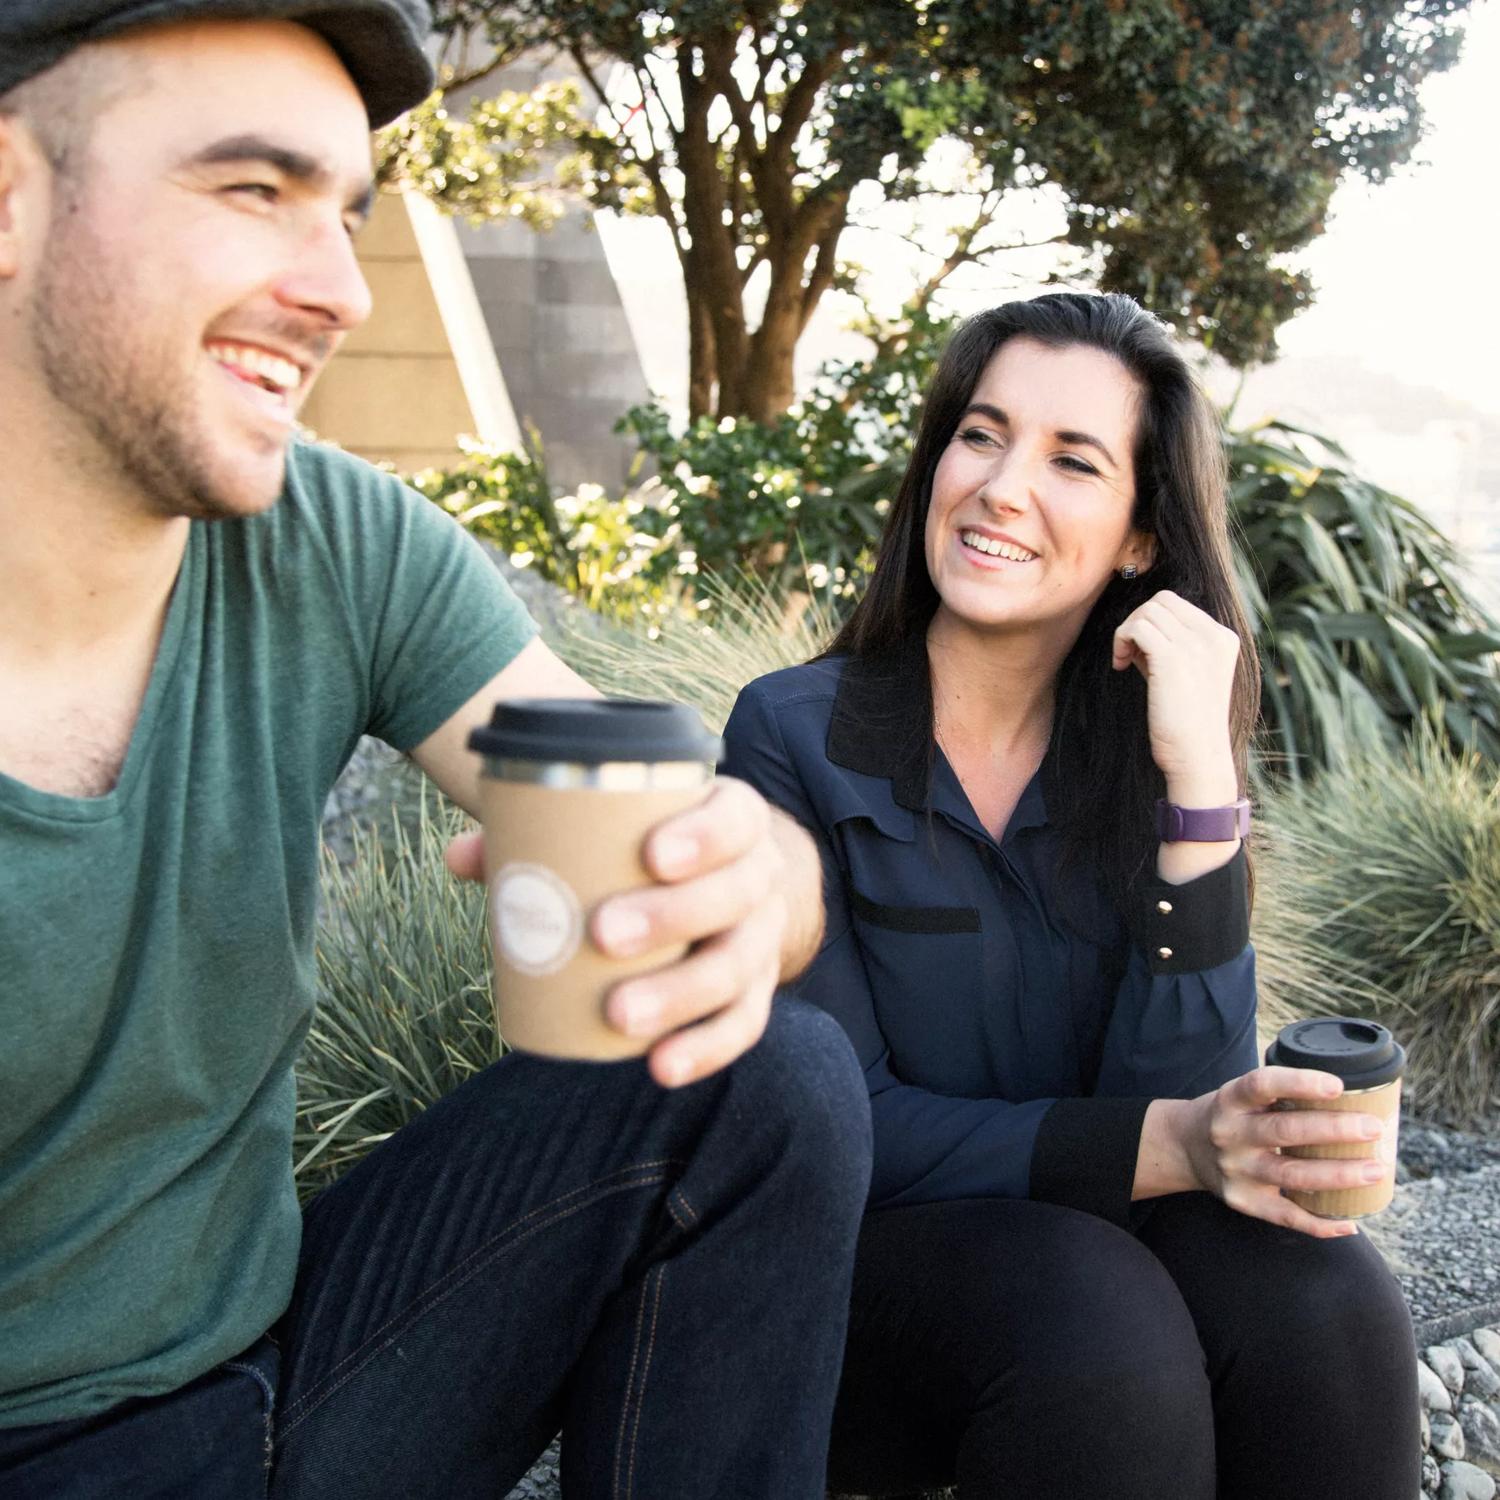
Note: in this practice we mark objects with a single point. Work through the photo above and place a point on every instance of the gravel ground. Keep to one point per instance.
(1440, 1234)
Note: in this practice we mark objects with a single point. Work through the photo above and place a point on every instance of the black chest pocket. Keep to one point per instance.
(926, 921)
(924, 964)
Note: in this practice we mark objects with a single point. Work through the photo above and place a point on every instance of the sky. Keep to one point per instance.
(1406, 272)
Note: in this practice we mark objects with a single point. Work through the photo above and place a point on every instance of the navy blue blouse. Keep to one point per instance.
(1012, 1026)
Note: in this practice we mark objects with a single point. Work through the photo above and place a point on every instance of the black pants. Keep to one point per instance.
(1021, 1349)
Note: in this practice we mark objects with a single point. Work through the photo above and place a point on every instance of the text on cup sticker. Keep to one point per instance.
(537, 919)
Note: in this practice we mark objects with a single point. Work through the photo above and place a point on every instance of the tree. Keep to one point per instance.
(1190, 145)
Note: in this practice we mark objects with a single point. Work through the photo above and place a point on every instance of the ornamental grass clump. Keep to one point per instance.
(404, 1013)
(753, 628)
(1395, 858)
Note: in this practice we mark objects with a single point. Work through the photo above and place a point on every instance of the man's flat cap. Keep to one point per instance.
(378, 41)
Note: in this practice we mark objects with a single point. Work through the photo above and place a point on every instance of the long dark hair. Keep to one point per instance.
(1099, 749)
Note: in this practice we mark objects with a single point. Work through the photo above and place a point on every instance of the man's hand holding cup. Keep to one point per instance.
(677, 895)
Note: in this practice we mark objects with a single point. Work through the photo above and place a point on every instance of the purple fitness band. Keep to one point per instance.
(1202, 825)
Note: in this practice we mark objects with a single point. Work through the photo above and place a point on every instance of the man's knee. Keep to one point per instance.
(801, 1088)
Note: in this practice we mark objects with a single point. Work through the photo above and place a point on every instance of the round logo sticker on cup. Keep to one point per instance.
(538, 921)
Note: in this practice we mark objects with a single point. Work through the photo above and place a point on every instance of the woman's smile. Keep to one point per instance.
(993, 549)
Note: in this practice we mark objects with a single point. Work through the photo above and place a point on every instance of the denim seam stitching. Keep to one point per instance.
(244, 1369)
(640, 1401)
(268, 1451)
(425, 1301)
(635, 1354)
(682, 1198)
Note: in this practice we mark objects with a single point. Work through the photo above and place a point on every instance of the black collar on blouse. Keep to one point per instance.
(882, 720)
(882, 724)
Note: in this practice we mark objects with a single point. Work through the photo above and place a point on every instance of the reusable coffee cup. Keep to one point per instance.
(570, 788)
(1370, 1061)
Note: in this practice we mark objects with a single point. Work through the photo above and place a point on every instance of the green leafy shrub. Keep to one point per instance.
(602, 550)
(761, 501)
(799, 503)
(1394, 860)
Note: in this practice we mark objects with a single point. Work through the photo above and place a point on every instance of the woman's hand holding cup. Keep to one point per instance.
(1233, 1139)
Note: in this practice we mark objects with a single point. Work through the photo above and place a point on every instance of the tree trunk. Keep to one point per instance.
(770, 374)
(700, 358)
(713, 272)
(796, 288)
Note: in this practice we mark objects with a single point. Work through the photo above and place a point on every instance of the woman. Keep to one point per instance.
(1077, 1274)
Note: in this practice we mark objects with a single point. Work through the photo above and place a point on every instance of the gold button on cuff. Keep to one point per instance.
(1165, 908)
(1164, 953)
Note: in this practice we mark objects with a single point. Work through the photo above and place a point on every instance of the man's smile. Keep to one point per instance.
(272, 381)
(257, 366)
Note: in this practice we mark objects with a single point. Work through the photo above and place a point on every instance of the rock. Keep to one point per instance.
(1487, 1341)
(1480, 1378)
(1424, 1430)
(1463, 1481)
(1481, 1429)
(1432, 1476)
(1431, 1391)
(1447, 1436)
(1447, 1366)
(542, 1483)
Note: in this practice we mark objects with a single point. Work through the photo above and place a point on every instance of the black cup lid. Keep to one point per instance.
(589, 731)
(1363, 1053)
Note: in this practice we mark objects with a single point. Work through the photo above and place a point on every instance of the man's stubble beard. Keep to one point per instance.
(136, 404)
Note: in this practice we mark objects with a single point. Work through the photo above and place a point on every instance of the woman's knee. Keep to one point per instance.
(1061, 1303)
(1277, 1310)
(1123, 1337)
(1020, 1311)
(1340, 1302)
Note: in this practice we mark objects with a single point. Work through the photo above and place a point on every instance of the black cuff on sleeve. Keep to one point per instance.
(1085, 1153)
(1199, 925)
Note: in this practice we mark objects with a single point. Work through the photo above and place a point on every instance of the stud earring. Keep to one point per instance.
(1129, 571)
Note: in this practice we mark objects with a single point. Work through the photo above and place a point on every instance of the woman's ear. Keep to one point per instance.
(1139, 552)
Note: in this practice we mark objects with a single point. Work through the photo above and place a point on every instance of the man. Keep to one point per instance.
(198, 617)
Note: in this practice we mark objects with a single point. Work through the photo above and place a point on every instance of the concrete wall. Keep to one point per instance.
(558, 329)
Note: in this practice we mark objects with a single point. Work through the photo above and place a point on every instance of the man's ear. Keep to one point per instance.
(20, 162)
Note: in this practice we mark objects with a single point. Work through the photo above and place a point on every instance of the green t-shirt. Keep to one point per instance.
(156, 943)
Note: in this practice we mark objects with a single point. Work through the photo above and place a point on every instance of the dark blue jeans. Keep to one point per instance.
(662, 1275)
